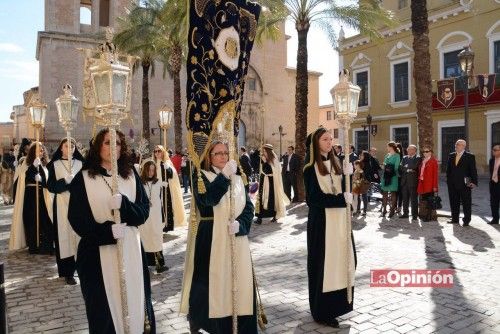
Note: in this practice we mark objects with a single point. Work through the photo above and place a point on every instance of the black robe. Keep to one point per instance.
(198, 297)
(65, 267)
(29, 214)
(270, 212)
(167, 174)
(329, 305)
(88, 263)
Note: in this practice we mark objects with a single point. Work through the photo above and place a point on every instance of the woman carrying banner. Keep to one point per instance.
(60, 177)
(90, 214)
(152, 230)
(272, 198)
(328, 251)
(207, 284)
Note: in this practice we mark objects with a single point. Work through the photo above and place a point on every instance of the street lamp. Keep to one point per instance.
(466, 59)
(166, 115)
(110, 82)
(281, 134)
(67, 109)
(345, 99)
(37, 115)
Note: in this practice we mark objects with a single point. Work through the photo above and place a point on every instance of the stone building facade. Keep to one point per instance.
(383, 69)
(270, 82)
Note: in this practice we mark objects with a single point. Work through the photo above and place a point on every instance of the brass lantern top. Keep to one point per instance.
(37, 113)
(466, 59)
(345, 97)
(165, 114)
(67, 107)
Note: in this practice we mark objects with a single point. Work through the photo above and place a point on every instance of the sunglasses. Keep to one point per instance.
(156, 151)
(426, 151)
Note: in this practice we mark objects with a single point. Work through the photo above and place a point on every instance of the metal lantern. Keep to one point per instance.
(166, 115)
(37, 114)
(466, 59)
(345, 96)
(67, 108)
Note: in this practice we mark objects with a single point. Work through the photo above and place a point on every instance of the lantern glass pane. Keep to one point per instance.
(353, 105)
(341, 103)
(102, 88)
(119, 88)
(74, 111)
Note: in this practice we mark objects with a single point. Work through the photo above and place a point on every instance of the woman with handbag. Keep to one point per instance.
(390, 184)
(427, 184)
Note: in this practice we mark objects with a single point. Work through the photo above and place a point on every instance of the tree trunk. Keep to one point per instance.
(422, 72)
(145, 100)
(176, 69)
(301, 91)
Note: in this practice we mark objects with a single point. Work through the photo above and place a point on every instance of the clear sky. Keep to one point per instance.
(21, 20)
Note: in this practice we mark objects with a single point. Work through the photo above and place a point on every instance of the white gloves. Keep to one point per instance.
(233, 227)
(230, 168)
(118, 230)
(38, 178)
(164, 184)
(15, 163)
(348, 169)
(37, 162)
(115, 202)
(348, 198)
(69, 178)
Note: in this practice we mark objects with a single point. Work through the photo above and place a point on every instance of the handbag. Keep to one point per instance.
(364, 186)
(435, 202)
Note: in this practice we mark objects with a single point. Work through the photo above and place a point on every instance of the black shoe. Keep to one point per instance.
(391, 214)
(70, 281)
(364, 214)
(466, 224)
(160, 269)
(274, 220)
(332, 323)
(414, 218)
(404, 216)
(493, 222)
(258, 221)
(452, 222)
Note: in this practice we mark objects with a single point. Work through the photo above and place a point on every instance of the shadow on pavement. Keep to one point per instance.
(470, 235)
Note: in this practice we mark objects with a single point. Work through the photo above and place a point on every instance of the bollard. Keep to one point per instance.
(3, 306)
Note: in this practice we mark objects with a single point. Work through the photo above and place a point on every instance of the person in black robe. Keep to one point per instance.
(97, 237)
(65, 266)
(199, 292)
(165, 173)
(37, 172)
(325, 306)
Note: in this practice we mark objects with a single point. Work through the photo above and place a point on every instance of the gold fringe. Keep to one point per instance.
(201, 184)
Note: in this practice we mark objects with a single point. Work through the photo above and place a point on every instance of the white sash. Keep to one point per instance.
(336, 246)
(98, 194)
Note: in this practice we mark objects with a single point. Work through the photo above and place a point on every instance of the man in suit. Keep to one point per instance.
(289, 171)
(409, 181)
(461, 177)
(495, 183)
(245, 162)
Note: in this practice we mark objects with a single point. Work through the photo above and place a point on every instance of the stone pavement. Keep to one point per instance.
(39, 302)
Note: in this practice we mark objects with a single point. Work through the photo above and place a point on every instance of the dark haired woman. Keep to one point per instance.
(389, 181)
(90, 214)
(206, 289)
(272, 198)
(60, 177)
(331, 255)
(152, 230)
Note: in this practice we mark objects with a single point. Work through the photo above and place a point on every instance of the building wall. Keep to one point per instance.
(6, 139)
(452, 27)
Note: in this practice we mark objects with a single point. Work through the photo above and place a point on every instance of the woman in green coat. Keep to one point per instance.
(389, 182)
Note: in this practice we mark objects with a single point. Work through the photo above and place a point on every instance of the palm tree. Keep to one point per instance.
(138, 37)
(367, 17)
(422, 71)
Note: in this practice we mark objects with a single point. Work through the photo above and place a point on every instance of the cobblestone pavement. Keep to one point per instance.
(39, 302)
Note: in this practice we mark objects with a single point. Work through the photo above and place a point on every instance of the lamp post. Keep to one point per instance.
(110, 82)
(345, 98)
(466, 59)
(281, 134)
(37, 115)
(166, 115)
(67, 109)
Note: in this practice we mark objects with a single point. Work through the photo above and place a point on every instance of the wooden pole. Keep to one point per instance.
(37, 196)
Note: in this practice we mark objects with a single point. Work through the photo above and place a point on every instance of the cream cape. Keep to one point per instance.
(17, 237)
(174, 186)
(98, 194)
(338, 250)
(220, 297)
(68, 239)
(281, 200)
(152, 230)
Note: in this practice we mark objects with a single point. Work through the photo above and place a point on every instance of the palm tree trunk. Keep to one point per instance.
(176, 65)
(301, 91)
(422, 72)
(145, 100)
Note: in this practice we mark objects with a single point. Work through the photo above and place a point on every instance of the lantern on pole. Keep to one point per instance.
(67, 110)
(345, 98)
(110, 83)
(37, 114)
(466, 60)
(166, 114)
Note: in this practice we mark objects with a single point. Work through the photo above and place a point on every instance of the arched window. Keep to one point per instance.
(449, 46)
(242, 135)
(85, 15)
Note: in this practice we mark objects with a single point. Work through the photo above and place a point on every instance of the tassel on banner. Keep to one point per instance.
(201, 184)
